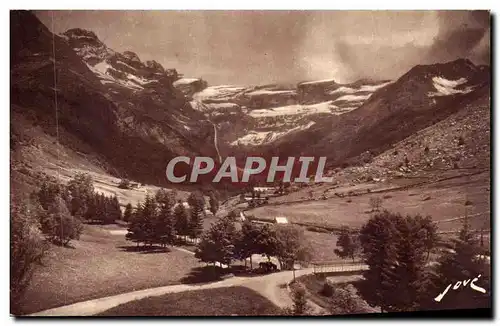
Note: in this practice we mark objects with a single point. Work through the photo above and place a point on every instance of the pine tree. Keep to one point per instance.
(462, 264)
(165, 228)
(92, 209)
(181, 219)
(149, 213)
(196, 199)
(411, 277)
(101, 209)
(127, 215)
(136, 226)
(81, 189)
(115, 206)
(195, 225)
(377, 240)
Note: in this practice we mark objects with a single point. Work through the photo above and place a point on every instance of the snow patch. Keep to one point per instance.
(218, 92)
(101, 67)
(125, 64)
(373, 88)
(185, 81)
(270, 92)
(323, 107)
(343, 89)
(353, 98)
(447, 87)
(261, 137)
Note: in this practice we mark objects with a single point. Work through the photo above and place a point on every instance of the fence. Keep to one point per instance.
(336, 267)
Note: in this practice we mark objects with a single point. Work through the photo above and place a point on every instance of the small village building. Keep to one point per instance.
(280, 220)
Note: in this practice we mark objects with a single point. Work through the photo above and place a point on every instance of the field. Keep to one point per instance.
(231, 301)
(99, 265)
(443, 201)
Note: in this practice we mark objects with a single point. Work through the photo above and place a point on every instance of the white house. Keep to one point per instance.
(280, 220)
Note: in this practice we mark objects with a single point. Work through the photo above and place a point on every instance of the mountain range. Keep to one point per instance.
(131, 117)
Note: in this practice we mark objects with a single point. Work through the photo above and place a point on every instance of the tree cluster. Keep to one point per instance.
(160, 220)
(222, 243)
(401, 276)
(396, 250)
(63, 208)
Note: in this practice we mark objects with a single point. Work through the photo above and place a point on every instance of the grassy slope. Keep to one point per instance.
(211, 302)
(447, 199)
(100, 265)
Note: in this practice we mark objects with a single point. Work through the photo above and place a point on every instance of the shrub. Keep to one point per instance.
(27, 249)
(461, 141)
(468, 203)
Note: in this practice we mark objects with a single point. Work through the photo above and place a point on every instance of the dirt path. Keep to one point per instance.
(272, 286)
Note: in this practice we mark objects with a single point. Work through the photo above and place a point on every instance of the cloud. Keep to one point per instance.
(259, 47)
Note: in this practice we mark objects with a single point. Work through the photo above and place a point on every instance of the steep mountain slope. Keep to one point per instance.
(460, 142)
(126, 111)
(423, 96)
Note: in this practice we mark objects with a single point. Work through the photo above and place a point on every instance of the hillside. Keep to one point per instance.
(423, 96)
(122, 111)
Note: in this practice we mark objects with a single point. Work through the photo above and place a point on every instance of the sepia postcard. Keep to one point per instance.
(250, 163)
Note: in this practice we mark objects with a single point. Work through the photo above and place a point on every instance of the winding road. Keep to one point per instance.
(266, 285)
(272, 286)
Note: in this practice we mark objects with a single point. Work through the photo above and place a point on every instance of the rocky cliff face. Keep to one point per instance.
(127, 110)
(252, 116)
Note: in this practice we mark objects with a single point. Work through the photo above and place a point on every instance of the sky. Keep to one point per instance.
(261, 47)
